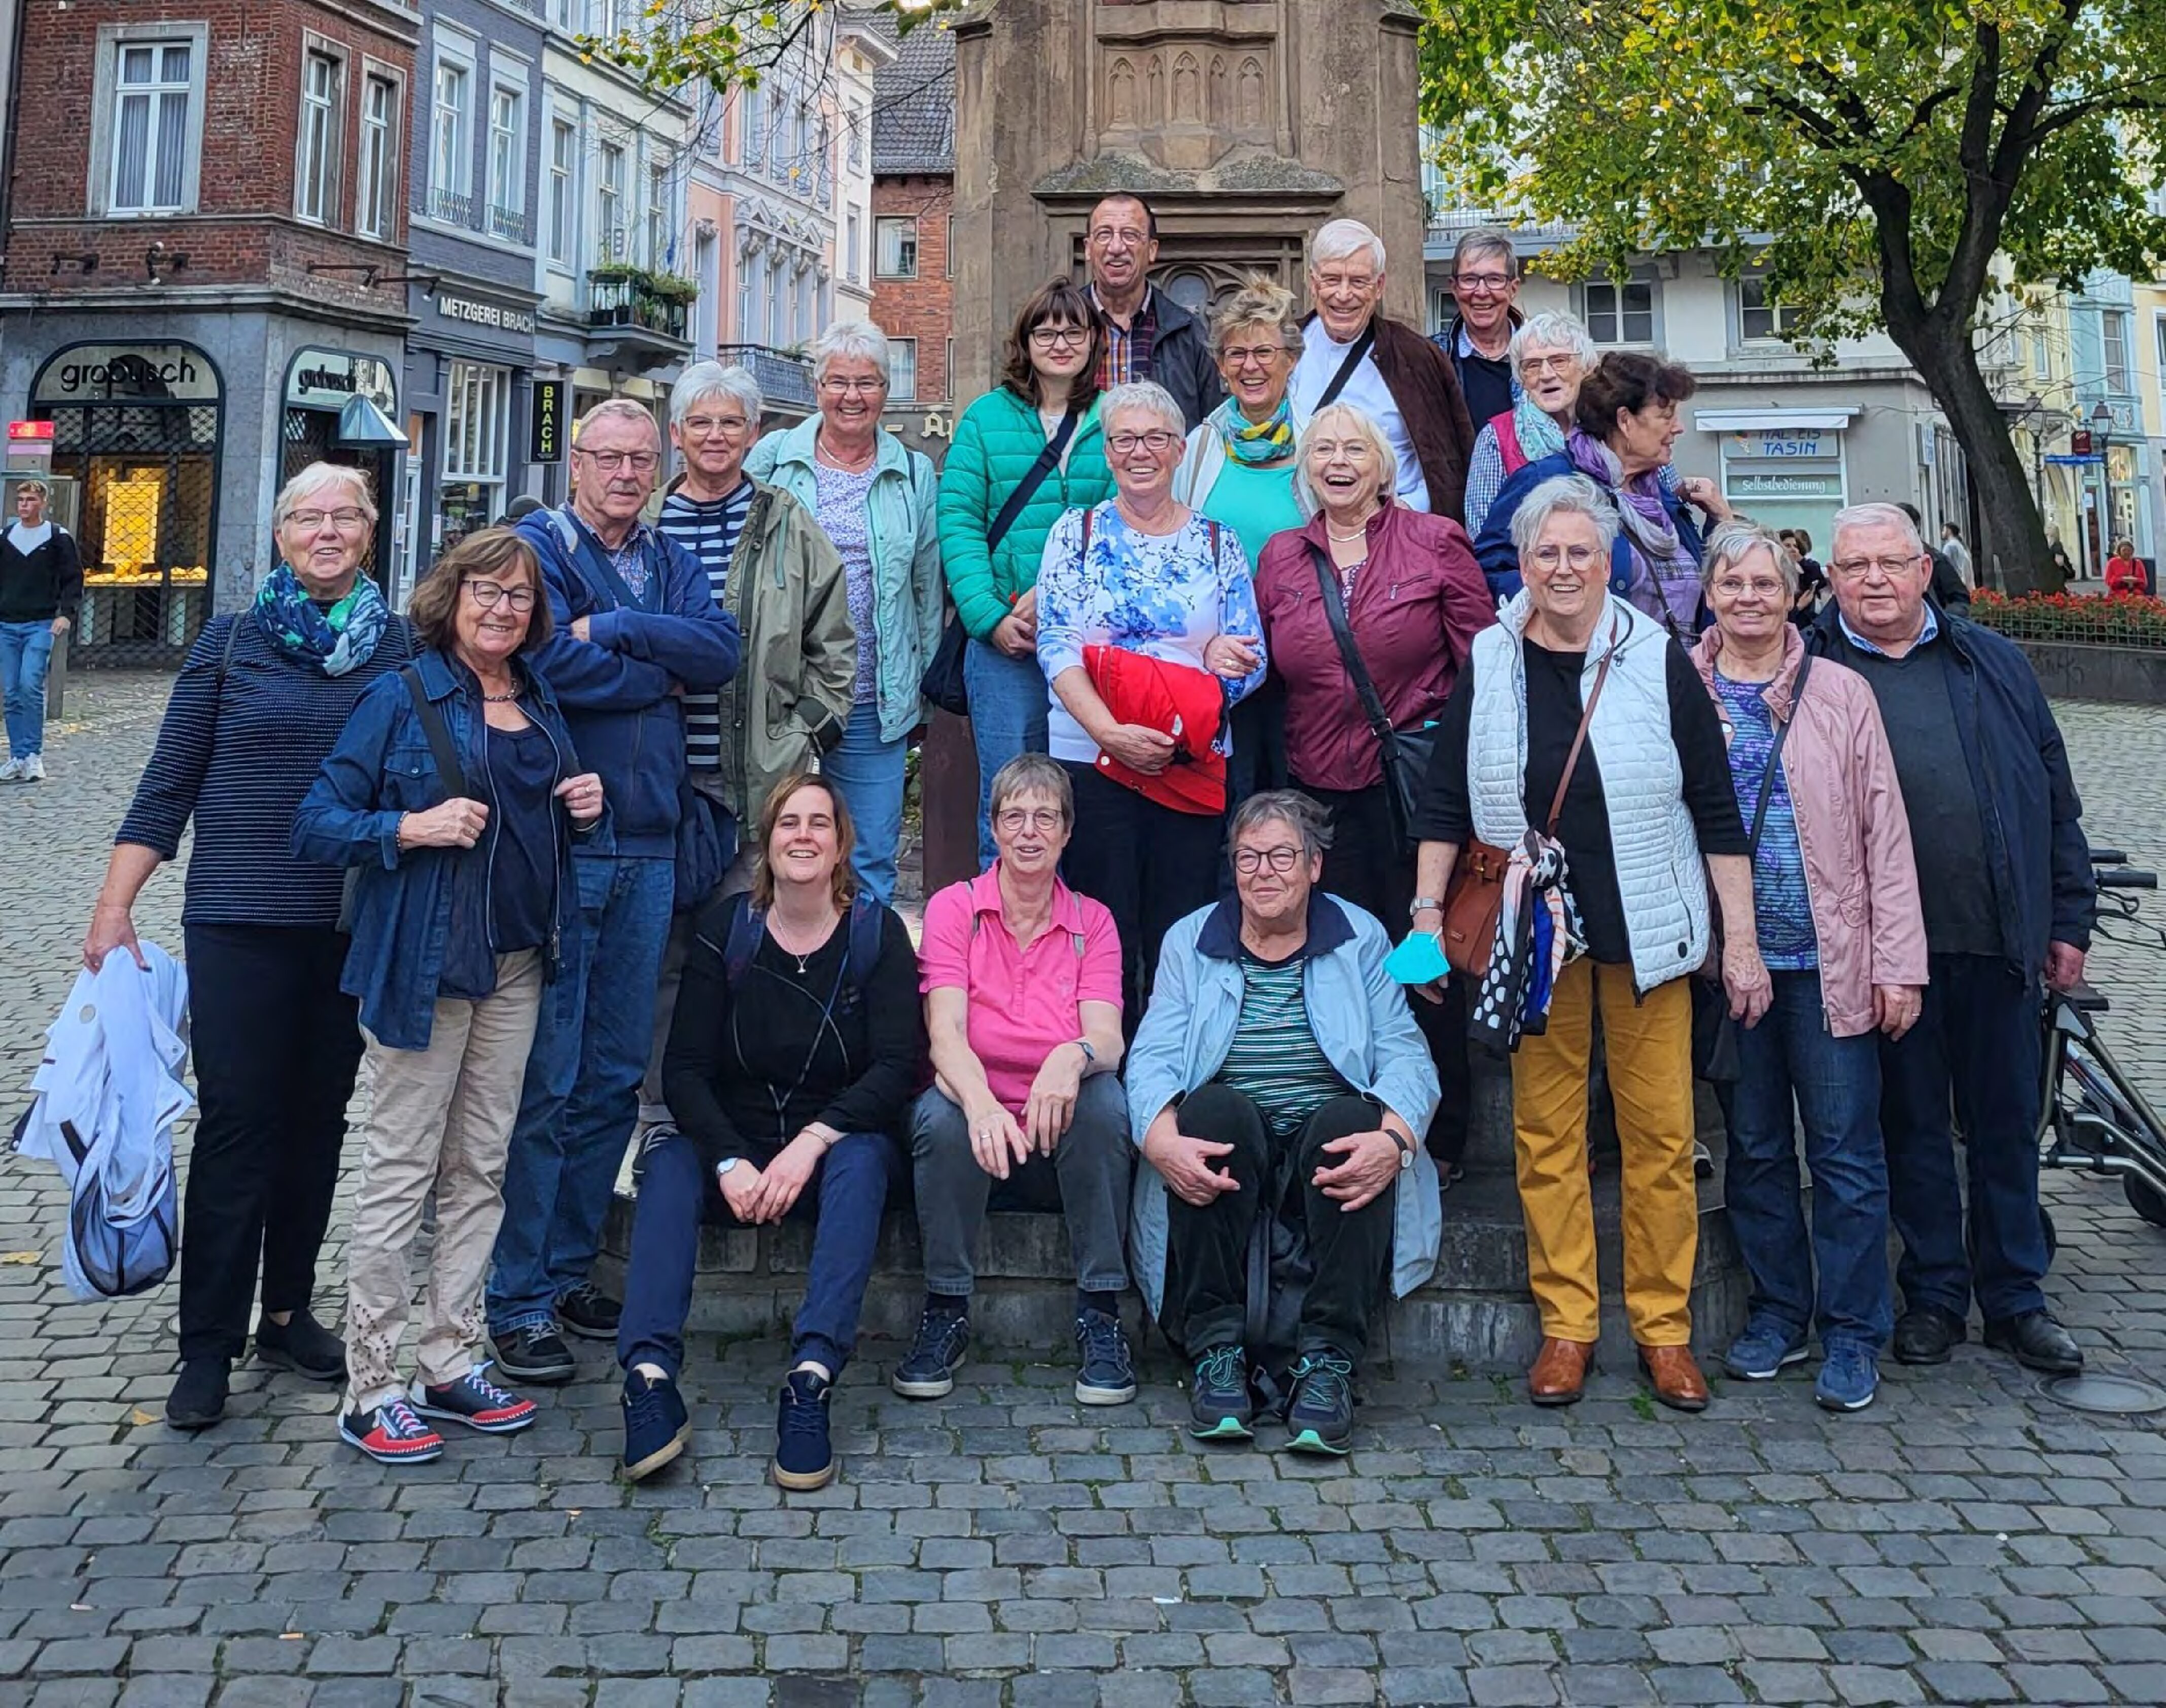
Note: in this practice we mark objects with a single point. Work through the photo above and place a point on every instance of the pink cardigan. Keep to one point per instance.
(1851, 829)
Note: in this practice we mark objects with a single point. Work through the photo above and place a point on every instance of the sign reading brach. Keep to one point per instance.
(545, 427)
(477, 313)
(148, 373)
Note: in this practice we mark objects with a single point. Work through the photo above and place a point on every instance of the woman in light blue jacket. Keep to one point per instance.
(878, 503)
(1279, 1070)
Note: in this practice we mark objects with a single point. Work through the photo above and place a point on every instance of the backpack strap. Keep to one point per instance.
(866, 922)
(1507, 442)
(741, 937)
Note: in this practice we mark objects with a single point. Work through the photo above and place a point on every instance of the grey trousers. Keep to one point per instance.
(1086, 1178)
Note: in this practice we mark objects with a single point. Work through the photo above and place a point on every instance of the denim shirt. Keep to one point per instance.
(421, 916)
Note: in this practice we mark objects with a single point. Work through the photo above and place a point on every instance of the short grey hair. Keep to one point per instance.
(704, 379)
(849, 341)
(615, 408)
(1879, 515)
(1305, 817)
(315, 478)
(1732, 542)
(1368, 426)
(1145, 395)
(1563, 495)
(1487, 239)
(1554, 330)
(1337, 239)
(1032, 773)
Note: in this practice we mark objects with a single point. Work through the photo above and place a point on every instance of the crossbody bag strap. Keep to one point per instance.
(1579, 738)
(450, 772)
(1346, 367)
(1775, 759)
(1335, 610)
(1048, 458)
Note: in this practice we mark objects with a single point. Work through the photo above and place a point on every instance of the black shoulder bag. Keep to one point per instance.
(1714, 1029)
(451, 774)
(1352, 360)
(1405, 753)
(944, 683)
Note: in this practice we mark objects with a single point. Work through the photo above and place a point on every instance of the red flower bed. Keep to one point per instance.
(2125, 620)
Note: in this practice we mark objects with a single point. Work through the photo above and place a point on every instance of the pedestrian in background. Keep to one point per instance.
(40, 593)
(259, 703)
(464, 891)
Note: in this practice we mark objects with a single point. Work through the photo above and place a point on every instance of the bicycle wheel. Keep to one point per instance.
(2144, 1199)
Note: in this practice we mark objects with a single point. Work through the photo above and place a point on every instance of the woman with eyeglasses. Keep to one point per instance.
(1551, 353)
(1022, 454)
(464, 890)
(259, 702)
(1147, 633)
(878, 503)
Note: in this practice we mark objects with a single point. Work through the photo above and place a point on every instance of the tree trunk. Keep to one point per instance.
(2010, 552)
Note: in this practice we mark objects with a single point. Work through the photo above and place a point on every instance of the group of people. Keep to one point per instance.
(594, 851)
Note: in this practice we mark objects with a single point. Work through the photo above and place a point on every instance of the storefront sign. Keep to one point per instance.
(1780, 442)
(99, 373)
(476, 313)
(1785, 483)
(545, 427)
(324, 379)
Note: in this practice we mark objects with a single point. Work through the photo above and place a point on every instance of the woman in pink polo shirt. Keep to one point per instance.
(1021, 978)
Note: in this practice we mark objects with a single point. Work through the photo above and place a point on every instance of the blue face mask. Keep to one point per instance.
(1418, 961)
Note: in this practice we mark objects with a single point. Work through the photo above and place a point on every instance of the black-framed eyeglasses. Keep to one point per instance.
(489, 594)
(1282, 859)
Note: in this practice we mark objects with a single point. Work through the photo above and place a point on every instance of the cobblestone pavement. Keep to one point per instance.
(1965, 1541)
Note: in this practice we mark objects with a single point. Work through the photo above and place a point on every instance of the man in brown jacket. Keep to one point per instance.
(1357, 354)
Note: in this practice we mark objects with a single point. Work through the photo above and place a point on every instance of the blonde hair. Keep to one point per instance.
(1260, 302)
(313, 480)
(1379, 447)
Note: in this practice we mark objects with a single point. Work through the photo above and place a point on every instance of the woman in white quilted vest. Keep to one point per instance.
(1580, 709)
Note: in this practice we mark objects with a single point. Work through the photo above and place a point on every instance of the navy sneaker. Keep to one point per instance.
(803, 1459)
(1849, 1377)
(1108, 1375)
(535, 1353)
(589, 1313)
(944, 1337)
(302, 1345)
(476, 1402)
(1220, 1406)
(1321, 1418)
(1763, 1351)
(656, 1425)
(392, 1435)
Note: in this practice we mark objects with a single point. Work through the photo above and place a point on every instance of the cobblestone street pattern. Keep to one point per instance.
(1965, 1541)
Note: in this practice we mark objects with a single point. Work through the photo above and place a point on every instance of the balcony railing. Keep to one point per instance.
(451, 207)
(619, 300)
(511, 224)
(786, 380)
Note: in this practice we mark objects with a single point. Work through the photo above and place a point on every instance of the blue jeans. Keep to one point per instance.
(1978, 1042)
(26, 648)
(871, 774)
(846, 1196)
(581, 1093)
(1836, 1086)
(1007, 717)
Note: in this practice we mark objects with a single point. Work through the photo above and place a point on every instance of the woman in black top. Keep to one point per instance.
(257, 706)
(797, 1044)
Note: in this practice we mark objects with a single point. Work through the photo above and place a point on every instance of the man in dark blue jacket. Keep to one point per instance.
(636, 624)
(2006, 876)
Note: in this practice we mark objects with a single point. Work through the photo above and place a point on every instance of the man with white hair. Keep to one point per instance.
(1355, 354)
(2005, 876)
(636, 627)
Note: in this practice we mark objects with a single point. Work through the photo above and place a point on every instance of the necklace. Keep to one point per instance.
(871, 456)
(805, 959)
(1359, 533)
(501, 699)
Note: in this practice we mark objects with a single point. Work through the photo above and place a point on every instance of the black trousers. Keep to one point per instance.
(1368, 865)
(1148, 864)
(277, 1044)
(1207, 1248)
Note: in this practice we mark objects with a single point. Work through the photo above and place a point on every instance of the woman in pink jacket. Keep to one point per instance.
(1836, 896)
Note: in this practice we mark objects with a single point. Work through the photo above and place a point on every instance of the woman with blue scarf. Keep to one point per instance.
(258, 707)
(1238, 471)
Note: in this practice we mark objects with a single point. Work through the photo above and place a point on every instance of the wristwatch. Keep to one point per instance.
(1420, 903)
(724, 1166)
(1090, 1055)
(1406, 1151)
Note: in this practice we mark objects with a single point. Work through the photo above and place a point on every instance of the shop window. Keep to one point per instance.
(477, 404)
(902, 370)
(315, 166)
(376, 197)
(894, 246)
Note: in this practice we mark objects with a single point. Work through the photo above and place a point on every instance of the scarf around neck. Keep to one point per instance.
(1665, 578)
(340, 639)
(1255, 443)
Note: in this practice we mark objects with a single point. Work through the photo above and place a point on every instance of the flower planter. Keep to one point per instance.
(2078, 670)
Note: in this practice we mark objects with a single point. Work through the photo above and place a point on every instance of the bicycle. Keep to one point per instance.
(2092, 1118)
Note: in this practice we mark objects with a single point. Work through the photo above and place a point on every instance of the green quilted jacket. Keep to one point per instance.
(996, 442)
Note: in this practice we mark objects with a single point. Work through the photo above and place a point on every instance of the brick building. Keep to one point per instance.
(204, 282)
(913, 227)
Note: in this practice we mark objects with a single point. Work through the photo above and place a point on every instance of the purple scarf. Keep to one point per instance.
(1665, 577)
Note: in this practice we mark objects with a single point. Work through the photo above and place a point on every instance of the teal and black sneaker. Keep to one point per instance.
(1219, 1408)
(1321, 1418)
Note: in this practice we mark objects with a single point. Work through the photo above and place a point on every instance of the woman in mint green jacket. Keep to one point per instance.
(876, 500)
(1051, 372)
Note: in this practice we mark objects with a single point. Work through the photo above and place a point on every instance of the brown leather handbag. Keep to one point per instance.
(1474, 899)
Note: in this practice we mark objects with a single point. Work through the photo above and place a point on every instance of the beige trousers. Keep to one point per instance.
(442, 1118)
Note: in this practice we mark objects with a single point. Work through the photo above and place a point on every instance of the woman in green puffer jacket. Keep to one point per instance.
(1051, 373)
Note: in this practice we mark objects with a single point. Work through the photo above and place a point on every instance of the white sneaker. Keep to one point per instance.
(12, 772)
(34, 768)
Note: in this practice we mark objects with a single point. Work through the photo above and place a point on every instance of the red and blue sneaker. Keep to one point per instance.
(476, 1402)
(391, 1434)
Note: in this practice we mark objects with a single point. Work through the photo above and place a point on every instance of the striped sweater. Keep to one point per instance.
(237, 758)
(708, 529)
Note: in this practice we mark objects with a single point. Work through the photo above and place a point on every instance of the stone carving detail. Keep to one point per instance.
(1249, 107)
(1187, 91)
(1121, 97)
(1217, 109)
(1155, 86)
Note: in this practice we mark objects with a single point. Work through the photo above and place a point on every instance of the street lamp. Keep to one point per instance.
(2102, 441)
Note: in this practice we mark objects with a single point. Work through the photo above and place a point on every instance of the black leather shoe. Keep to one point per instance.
(1927, 1336)
(302, 1345)
(2037, 1342)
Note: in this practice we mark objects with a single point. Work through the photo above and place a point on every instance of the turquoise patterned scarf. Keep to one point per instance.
(1255, 443)
(340, 639)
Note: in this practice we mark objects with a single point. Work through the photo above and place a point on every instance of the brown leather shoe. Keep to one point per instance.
(1559, 1375)
(1675, 1378)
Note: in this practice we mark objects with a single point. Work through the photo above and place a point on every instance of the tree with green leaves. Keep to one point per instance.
(732, 44)
(1894, 164)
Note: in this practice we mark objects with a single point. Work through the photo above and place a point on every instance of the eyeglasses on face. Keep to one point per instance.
(1738, 586)
(836, 386)
(1157, 440)
(1119, 236)
(609, 462)
(1552, 557)
(489, 594)
(1480, 284)
(1353, 450)
(1853, 568)
(1252, 355)
(1051, 337)
(345, 521)
(1282, 859)
(1564, 362)
(1014, 819)
(702, 426)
